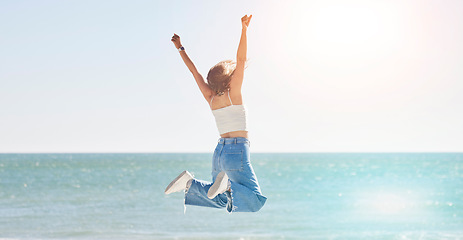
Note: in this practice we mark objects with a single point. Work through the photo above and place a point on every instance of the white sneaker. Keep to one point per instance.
(179, 183)
(220, 185)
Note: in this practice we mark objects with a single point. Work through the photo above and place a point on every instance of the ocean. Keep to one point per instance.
(310, 196)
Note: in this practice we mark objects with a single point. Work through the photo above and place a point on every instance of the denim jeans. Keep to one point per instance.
(232, 156)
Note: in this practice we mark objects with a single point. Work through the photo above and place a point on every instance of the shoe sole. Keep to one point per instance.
(175, 181)
(220, 182)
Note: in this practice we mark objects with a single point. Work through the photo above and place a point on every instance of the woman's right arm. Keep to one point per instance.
(205, 89)
(238, 75)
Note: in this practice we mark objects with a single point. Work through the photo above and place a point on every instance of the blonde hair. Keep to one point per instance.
(219, 76)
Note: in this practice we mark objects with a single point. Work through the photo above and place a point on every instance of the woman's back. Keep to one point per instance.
(225, 100)
(229, 114)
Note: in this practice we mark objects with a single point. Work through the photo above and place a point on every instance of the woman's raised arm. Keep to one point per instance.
(237, 79)
(205, 89)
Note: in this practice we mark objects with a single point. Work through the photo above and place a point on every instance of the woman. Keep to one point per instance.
(234, 184)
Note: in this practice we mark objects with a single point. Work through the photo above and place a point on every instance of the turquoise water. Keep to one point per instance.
(310, 196)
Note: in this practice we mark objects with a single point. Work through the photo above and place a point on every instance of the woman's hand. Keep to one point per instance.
(176, 40)
(245, 21)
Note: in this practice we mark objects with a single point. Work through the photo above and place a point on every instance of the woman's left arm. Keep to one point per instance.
(203, 87)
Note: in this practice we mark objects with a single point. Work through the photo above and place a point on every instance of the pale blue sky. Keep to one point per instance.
(323, 76)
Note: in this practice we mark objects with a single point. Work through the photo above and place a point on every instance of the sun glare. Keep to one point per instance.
(389, 203)
(395, 203)
(346, 47)
(346, 25)
(339, 27)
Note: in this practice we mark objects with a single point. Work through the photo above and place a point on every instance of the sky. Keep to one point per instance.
(322, 76)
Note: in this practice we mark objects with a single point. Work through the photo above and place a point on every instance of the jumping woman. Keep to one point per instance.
(234, 183)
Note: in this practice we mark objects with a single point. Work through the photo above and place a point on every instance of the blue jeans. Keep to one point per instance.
(232, 156)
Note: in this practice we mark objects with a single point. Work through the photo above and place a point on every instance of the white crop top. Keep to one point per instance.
(231, 118)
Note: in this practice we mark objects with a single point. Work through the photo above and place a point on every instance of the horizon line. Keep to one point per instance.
(258, 152)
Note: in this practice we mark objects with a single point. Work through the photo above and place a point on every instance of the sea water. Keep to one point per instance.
(310, 196)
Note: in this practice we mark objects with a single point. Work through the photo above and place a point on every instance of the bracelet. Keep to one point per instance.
(181, 48)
